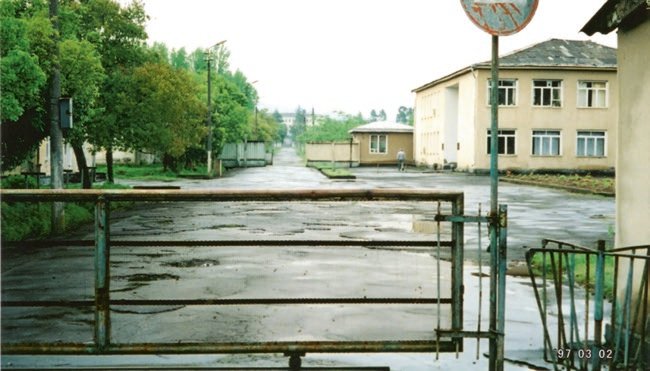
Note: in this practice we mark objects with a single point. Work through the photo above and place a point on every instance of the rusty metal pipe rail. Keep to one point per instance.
(390, 346)
(103, 344)
(234, 243)
(89, 195)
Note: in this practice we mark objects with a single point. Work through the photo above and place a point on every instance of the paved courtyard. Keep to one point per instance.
(150, 273)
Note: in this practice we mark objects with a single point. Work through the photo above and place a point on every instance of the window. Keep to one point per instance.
(507, 92)
(546, 142)
(547, 93)
(378, 144)
(505, 142)
(591, 143)
(592, 94)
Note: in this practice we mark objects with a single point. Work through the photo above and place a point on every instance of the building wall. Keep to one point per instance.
(633, 156)
(345, 153)
(437, 115)
(394, 142)
(524, 118)
(444, 117)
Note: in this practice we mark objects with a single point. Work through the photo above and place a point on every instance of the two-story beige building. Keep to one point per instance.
(557, 111)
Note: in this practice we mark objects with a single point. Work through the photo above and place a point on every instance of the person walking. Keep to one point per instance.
(400, 160)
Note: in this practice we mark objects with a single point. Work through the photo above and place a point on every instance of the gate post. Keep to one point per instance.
(102, 275)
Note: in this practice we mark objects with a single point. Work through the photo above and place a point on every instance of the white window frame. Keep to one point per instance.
(593, 94)
(502, 141)
(546, 142)
(554, 93)
(510, 100)
(592, 141)
(376, 138)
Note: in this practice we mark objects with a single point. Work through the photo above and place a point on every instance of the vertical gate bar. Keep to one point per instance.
(480, 284)
(503, 252)
(642, 301)
(599, 299)
(102, 274)
(574, 332)
(457, 260)
(541, 303)
(624, 317)
(588, 280)
(614, 315)
(438, 284)
(545, 304)
(628, 310)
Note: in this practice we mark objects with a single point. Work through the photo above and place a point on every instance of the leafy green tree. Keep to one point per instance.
(405, 115)
(230, 116)
(332, 129)
(26, 39)
(179, 59)
(118, 34)
(299, 124)
(81, 77)
(163, 110)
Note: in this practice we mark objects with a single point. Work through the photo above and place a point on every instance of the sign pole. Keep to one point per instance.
(498, 18)
(496, 340)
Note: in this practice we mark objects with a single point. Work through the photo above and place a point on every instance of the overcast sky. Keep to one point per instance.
(350, 55)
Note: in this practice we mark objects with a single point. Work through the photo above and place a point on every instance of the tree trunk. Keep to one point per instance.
(109, 166)
(82, 164)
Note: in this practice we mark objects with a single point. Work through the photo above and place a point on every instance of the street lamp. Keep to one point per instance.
(209, 144)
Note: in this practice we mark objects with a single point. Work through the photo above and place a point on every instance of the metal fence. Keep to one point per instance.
(593, 304)
(445, 337)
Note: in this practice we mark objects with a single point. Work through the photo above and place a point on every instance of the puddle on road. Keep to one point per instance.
(193, 263)
(146, 277)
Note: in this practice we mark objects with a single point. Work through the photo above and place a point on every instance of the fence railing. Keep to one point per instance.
(444, 338)
(593, 305)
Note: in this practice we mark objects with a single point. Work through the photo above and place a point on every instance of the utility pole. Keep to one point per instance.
(209, 143)
(56, 134)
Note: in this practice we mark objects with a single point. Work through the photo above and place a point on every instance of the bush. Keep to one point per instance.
(30, 220)
(18, 182)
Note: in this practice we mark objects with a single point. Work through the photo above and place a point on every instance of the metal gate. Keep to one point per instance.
(445, 337)
(578, 288)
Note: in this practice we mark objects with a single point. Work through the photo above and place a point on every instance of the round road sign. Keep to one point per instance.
(500, 17)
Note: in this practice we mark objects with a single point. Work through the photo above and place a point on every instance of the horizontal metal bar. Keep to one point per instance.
(462, 218)
(253, 301)
(203, 368)
(281, 243)
(233, 243)
(465, 334)
(388, 346)
(546, 241)
(47, 243)
(50, 195)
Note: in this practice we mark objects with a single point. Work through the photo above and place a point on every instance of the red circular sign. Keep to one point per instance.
(500, 17)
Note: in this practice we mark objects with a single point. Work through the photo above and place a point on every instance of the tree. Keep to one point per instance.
(405, 115)
(179, 59)
(118, 34)
(81, 77)
(27, 46)
(163, 110)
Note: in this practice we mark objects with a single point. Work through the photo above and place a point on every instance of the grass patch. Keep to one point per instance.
(583, 276)
(335, 172)
(584, 182)
(151, 172)
(30, 220)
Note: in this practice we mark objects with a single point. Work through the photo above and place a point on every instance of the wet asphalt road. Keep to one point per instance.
(150, 273)
(533, 213)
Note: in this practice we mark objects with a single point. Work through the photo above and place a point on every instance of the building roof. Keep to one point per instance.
(550, 54)
(616, 13)
(560, 53)
(383, 127)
